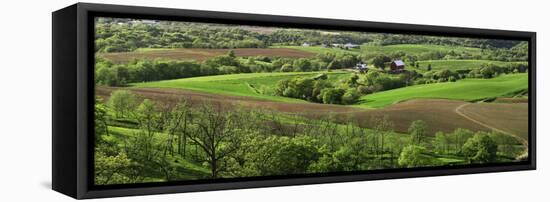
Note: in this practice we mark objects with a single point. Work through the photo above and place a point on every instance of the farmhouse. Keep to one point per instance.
(362, 67)
(397, 66)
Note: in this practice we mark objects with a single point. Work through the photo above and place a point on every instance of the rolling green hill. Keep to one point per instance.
(467, 90)
(257, 85)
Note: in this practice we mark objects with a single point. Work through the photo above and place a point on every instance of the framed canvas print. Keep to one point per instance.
(155, 100)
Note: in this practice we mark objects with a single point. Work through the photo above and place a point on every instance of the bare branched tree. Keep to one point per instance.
(215, 133)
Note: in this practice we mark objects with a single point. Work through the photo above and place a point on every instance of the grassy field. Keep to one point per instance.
(467, 90)
(406, 48)
(459, 64)
(256, 85)
(416, 49)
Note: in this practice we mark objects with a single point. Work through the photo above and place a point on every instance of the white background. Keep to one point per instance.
(25, 100)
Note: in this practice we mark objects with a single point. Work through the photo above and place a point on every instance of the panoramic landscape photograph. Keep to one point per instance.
(187, 101)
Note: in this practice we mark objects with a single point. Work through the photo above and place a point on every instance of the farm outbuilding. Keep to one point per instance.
(397, 66)
(362, 67)
(350, 45)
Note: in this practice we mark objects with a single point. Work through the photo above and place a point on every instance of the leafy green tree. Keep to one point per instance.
(414, 156)
(507, 145)
(383, 127)
(177, 128)
(275, 155)
(480, 149)
(318, 86)
(231, 53)
(418, 132)
(149, 120)
(122, 74)
(122, 102)
(408, 77)
(351, 96)
(107, 76)
(301, 88)
(380, 61)
(458, 137)
(302, 65)
(111, 169)
(332, 95)
(442, 142)
(353, 81)
(287, 68)
(100, 119)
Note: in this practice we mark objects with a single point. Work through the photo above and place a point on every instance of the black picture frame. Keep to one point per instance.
(73, 98)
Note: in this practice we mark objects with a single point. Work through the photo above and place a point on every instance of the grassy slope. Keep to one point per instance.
(467, 90)
(257, 85)
(416, 48)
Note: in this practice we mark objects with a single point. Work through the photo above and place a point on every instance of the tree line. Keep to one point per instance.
(121, 35)
(111, 74)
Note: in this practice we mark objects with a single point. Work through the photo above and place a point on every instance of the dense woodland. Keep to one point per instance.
(117, 35)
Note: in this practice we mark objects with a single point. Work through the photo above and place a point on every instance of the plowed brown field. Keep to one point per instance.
(200, 54)
(439, 114)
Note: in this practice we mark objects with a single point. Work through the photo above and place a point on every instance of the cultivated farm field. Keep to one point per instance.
(200, 54)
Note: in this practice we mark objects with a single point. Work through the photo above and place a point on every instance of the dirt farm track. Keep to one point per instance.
(439, 114)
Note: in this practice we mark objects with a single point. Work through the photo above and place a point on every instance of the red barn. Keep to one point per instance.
(397, 66)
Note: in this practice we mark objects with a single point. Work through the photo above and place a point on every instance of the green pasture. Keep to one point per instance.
(467, 90)
(256, 85)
